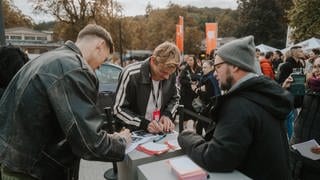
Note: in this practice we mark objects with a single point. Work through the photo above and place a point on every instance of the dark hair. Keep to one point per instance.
(11, 60)
(258, 50)
(269, 54)
(96, 30)
(295, 47)
(278, 52)
(316, 51)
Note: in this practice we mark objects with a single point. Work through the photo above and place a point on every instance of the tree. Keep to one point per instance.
(304, 18)
(264, 20)
(72, 16)
(13, 17)
(227, 23)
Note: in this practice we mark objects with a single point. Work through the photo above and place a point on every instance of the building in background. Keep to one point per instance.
(31, 41)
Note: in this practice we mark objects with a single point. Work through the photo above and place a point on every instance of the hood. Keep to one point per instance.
(267, 94)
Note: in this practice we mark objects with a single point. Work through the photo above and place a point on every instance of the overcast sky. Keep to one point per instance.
(136, 7)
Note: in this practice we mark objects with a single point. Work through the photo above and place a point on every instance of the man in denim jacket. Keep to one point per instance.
(48, 116)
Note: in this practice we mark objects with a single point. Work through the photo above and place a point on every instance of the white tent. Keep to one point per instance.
(306, 45)
(265, 48)
(309, 44)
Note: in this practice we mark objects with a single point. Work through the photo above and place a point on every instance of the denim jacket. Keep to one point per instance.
(49, 120)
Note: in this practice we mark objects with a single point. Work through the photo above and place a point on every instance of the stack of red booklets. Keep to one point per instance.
(152, 148)
(186, 169)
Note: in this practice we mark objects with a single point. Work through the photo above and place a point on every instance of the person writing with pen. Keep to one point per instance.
(147, 97)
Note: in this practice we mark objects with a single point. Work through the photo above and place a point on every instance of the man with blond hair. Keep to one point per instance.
(147, 97)
(48, 114)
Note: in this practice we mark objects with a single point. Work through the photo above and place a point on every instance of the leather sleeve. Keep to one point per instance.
(73, 97)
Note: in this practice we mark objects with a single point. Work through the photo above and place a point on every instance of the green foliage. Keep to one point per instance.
(304, 18)
(264, 20)
(45, 26)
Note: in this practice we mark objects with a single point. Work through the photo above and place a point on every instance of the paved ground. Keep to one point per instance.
(93, 170)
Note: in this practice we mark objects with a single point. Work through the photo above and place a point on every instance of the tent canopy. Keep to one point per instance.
(265, 48)
(309, 44)
(306, 45)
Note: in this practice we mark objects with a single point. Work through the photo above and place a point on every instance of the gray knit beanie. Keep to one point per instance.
(240, 52)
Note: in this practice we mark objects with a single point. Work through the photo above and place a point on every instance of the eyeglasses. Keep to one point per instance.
(316, 66)
(169, 67)
(218, 65)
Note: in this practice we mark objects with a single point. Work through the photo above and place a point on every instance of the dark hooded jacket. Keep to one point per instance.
(249, 134)
(49, 120)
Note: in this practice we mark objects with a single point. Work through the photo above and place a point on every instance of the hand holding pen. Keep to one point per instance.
(155, 127)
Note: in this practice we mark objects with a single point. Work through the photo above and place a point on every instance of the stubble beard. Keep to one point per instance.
(228, 84)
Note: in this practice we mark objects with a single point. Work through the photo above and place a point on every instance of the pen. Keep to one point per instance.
(159, 138)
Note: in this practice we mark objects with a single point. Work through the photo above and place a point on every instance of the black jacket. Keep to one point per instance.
(133, 94)
(249, 135)
(287, 68)
(187, 94)
(48, 118)
(307, 127)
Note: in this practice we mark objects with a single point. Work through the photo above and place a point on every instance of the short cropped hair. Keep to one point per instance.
(167, 53)
(96, 30)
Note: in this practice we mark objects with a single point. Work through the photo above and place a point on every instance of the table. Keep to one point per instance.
(161, 170)
(127, 169)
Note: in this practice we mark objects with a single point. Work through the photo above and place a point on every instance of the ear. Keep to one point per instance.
(234, 69)
(153, 60)
(99, 44)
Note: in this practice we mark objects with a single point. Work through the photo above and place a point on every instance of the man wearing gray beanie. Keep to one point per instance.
(247, 130)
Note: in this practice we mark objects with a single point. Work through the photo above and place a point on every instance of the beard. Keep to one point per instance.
(225, 86)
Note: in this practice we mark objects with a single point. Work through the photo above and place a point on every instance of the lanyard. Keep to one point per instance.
(155, 98)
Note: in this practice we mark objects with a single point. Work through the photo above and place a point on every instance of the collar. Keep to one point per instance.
(146, 72)
(71, 45)
(243, 79)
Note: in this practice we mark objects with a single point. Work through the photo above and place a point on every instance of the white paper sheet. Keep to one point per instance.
(305, 149)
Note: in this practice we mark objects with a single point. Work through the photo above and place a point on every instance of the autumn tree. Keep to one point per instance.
(304, 18)
(13, 17)
(263, 19)
(72, 16)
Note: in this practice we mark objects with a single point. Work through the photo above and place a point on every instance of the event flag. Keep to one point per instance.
(211, 36)
(179, 34)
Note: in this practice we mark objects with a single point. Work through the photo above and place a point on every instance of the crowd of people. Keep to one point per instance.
(49, 119)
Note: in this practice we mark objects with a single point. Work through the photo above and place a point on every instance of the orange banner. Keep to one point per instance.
(180, 20)
(211, 36)
(179, 34)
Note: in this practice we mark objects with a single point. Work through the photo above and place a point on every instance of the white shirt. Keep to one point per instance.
(151, 106)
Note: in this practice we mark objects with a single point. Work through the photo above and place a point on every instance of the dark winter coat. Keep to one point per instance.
(307, 127)
(187, 94)
(249, 134)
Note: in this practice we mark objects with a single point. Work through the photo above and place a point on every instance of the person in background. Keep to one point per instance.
(11, 60)
(189, 78)
(276, 60)
(293, 64)
(207, 88)
(48, 113)
(307, 126)
(257, 62)
(266, 65)
(314, 54)
(247, 131)
(147, 97)
(294, 61)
